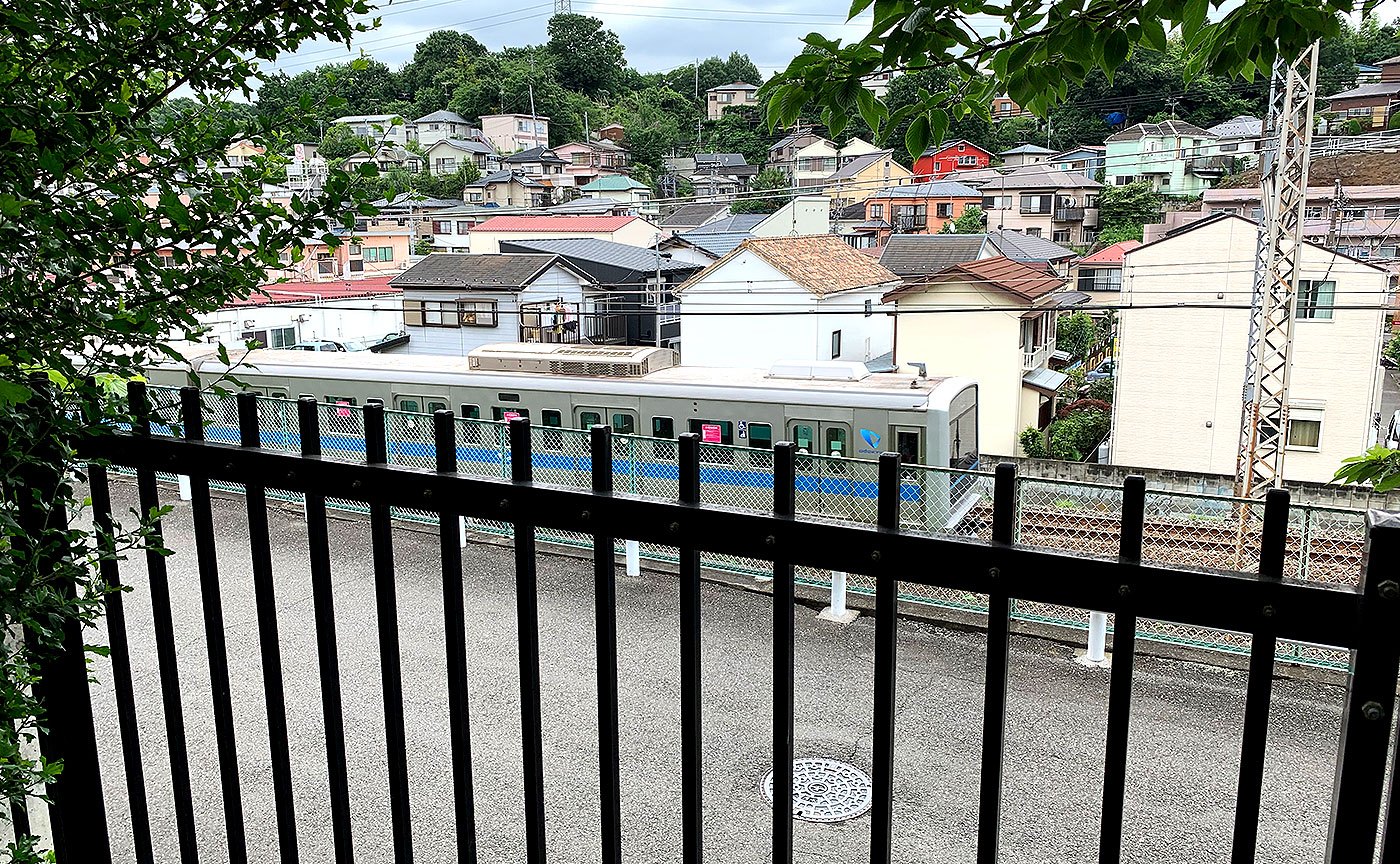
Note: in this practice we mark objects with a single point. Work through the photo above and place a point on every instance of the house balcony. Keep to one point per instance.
(1069, 214)
(1091, 217)
(1036, 358)
(1210, 167)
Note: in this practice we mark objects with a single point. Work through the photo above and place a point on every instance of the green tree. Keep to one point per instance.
(1123, 210)
(433, 60)
(1075, 334)
(340, 142)
(771, 189)
(104, 192)
(1379, 466)
(738, 130)
(587, 56)
(502, 82)
(972, 221)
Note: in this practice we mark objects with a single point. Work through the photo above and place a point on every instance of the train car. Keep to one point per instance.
(827, 408)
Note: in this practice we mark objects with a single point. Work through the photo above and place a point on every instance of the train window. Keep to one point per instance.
(551, 418)
(962, 430)
(835, 441)
(471, 412)
(410, 405)
(436, 405)
(340, 400)
(589, 419)
(663, 427)
(278, 394)
(761, 435)
(908, 444)
(508, 397)
(499, 413)
(802, 437)
(624, 423)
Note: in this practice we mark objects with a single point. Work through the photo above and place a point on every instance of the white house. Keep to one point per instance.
(442, 125)
(619, 188)
(451, 154)
(1181, 369)
(455, 303)
(813, 280)
(281, 315)
(511, 132)
(388, 128)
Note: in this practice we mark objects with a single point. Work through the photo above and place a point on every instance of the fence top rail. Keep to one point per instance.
(1305, 611)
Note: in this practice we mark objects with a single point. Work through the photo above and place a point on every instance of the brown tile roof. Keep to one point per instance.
(822, 263)
(1017, 279)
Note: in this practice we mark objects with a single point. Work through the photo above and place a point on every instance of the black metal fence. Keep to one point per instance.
(1263, 604)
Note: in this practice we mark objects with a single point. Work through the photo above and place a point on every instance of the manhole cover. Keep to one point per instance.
(824, 790)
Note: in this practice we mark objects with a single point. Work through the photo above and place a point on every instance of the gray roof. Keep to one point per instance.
(499, 272)
(692, 215)
(723, 160)
(1383, 88)
(414, 199)
(1165, 129)
(536, 154)
(469, 146)
(504, 177)
(931, 189)
(1046, 380)
(1027, 149)
(924, 254)
(1040, 177)
(717, 244)
(1024, 248)
(859, 164)
(1242, 126)
(443, 116)
(589, 206)
(743, 222)
(850, 212)
(620, 255)
(737, 85)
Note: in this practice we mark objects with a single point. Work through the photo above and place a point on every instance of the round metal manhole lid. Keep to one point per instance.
(825, 790)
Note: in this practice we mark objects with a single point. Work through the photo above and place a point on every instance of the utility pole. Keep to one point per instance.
(1284, 170)
(656, 318)
(534, 121)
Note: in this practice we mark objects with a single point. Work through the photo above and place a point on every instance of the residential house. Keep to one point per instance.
(1238, 137)
(630, 230)
(410, 209)
(1174, 156)
(451, 229)
(689, 216)
(280, 316)
(1367, 74)
(859, 178)
(803, 216)
(591, 207)
(613, 132)
(623, 190)
(386, 158)
(634, 287)
(1044, 202)
(541, 164)
(1084, 159)
(386, 128)
(1025, 154)
(509, 189)
(511, 132)
(589, 160)
(1101, 274)
(917, 255)
(378, 251)
(1005, 345)
(726, 96)
(453, 304)
(1177, 403)
(878, 83)
(239, 155)
(941, 160)
(818, 279)
(849, 223)
(712, 176)
(444, 125)
(449, 155)
(782, 155)
(918, 208)
(1370, 104)
(817, 161)
(1004, 107)
(1366, 225)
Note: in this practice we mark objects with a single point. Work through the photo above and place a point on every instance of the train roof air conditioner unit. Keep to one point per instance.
(606, 361)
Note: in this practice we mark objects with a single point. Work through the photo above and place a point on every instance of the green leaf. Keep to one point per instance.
(1115, 49)
(23, 136)
(917, 137)
(871, 111)
(12, 393)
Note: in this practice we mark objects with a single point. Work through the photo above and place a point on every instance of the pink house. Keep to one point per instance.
(589, 160)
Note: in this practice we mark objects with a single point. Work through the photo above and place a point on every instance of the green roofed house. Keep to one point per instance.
(622, 189)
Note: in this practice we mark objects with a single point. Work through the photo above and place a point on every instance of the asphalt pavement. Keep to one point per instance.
(1183, 758)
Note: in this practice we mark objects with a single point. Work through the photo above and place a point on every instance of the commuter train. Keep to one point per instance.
(828, 408)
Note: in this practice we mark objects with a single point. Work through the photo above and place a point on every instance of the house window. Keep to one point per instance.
(1315, 298)
(477, 313)
(446, 165)
(1037, 203)
(1312, 213)
(474, 196)
(1304, 428)
(522, 126)
(357, 266)
(1100, 279)
(944, 209)
(361, 224)
(1090, 237)
(354, 249)
(442, 226)
(1060, 237)
(1390, 213)
(1256, 213)
(967, 161)
(284, 257)
(379, 253)
(996, 202)
(877, 211)
(835, 344)
(583, 158)
(1032, 232)
(463, 227)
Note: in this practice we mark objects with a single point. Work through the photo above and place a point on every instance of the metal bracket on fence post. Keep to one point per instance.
(837, 611)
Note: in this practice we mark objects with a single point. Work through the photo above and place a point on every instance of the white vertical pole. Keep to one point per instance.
(634, 557)
(1098, 633)
(462, 531)
(838, 592)
(186, 493)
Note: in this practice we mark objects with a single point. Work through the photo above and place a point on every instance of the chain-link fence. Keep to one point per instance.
(1324, 543)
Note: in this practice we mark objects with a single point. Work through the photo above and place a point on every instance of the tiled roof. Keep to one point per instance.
(1040, 177)
(536, 154)
(933, 149)
(553, 224)
(1165, 129)
(621, 255)
(822, 263)
(1023, 247)
(505, 177)
(923, 254)
(931, 189)
(723, 160)
(718, 244)
(468, 146)
(859, 164)
(1242, 126)
(416, 199)
(268, 295)
(498, 272)
(1382, 88)
(1111, 254)
(613, 183)
(1012, 277)
(693, 215)
(737, 85)
(443, 116)
(736, 222)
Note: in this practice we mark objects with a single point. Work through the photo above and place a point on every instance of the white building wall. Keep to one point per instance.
(360, 318)
(1181, 371)
(729, 334)
(800, 217)
(554, 283)
(638, 232)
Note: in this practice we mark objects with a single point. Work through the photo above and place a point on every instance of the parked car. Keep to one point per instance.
(1103, 370)
(329, 345)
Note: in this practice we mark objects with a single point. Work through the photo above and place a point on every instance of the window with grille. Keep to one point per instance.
(1315, 298)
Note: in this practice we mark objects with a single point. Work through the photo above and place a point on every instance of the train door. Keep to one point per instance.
(823, 485)
(821, 437)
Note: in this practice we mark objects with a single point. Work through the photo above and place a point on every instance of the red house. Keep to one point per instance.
(960, 155)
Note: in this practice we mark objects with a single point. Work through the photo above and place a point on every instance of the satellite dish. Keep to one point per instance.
(1117, 118)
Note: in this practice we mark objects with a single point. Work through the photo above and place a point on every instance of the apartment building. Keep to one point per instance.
(1040, 201)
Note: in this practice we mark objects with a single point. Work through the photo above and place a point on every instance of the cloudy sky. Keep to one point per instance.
(659, 35)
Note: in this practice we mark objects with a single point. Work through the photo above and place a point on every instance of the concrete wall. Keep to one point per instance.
(1181, 370)
(800, 217)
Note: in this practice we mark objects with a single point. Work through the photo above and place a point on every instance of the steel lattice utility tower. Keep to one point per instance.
(563, 7)
(1284, 170)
